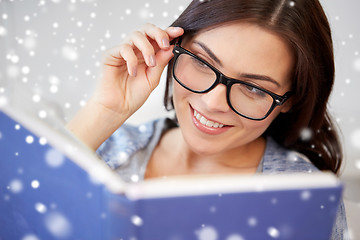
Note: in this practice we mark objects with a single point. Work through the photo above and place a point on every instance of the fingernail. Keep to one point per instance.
(152, 61)
(175, 29)
(165, 43)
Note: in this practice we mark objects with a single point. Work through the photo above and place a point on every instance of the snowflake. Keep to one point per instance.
(3, 31)
(58, 225)
(273, 232)
(357, 64)
(137, 221)
(207, 233)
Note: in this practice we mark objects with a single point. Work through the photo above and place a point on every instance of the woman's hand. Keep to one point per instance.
(130, 73)
(132, 70)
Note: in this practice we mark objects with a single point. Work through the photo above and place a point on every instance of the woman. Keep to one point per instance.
(249, 82)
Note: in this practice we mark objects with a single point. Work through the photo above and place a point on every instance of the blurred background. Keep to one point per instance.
(53, 50)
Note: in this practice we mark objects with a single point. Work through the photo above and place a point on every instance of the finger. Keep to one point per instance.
(127, 52)
(159, 35)
(112, 57)
(154, 73)
(140, 41)
(174, 32)
(119, 56)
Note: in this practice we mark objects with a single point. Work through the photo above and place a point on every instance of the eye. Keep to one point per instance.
(255, 91)
(199, 63)
(201, 67)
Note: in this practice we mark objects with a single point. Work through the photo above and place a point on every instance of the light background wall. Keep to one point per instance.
(53, 48)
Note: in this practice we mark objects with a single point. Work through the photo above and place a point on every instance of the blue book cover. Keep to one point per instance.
(53, 187)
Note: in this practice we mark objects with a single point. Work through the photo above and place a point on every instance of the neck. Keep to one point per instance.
(241, 159)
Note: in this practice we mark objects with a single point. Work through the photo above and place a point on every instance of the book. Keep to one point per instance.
(54, 187)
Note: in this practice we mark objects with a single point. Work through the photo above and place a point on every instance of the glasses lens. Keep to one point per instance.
(250, 101)
(193, 73)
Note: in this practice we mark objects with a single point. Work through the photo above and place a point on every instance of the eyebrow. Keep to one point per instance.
(259, 77)
(241, 75)
(209, 52)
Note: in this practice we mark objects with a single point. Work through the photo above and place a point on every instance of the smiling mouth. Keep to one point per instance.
(204, 121)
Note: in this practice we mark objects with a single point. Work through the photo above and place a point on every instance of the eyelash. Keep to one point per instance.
(204, 58)
(199, 55)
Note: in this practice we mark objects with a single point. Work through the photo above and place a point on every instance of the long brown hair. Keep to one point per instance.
(304, 26)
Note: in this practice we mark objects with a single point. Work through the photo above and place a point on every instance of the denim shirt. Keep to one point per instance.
(129, 149)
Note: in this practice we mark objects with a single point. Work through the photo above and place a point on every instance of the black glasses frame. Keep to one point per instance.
(278, 100)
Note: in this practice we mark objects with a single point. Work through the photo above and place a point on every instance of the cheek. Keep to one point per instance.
(258, 127)
(267, 121)
(179, 93)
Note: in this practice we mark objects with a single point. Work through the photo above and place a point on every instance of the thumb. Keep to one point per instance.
(162, 59)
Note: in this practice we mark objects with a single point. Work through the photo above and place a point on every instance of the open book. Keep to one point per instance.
(53, 187)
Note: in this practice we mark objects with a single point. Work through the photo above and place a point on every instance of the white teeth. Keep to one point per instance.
(206, 122)
(209, 123)
(203, 120)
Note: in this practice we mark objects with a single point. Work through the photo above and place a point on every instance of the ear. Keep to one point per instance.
(286, 107)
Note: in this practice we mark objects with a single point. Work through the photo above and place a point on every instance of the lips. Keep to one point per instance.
(206, 125)
(207, 122)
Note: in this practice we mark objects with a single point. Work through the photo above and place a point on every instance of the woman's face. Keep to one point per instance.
(242, 51)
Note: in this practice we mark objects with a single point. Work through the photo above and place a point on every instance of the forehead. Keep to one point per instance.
(242, 29)
(247, 47)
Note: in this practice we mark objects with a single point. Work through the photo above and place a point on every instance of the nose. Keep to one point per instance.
(215, 100)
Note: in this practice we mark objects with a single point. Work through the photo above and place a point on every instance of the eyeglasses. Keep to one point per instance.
(244, 98)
